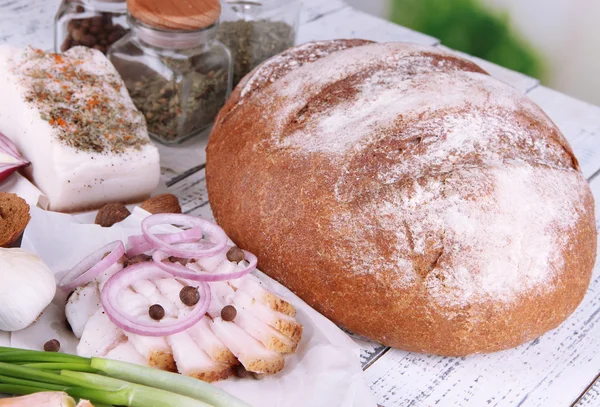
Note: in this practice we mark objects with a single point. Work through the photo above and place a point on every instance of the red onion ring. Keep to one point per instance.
(137, 325)
(90, 267)
(185, 220)
(9, 148)
(138, 244)
(180, 271)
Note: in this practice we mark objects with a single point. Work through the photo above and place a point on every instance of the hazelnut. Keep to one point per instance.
(100, 48)
(110, 214)
(77, 34)
(115, 36)
(88, 40)
(164, 203)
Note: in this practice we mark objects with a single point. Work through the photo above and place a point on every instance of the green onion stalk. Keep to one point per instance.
(105, 381)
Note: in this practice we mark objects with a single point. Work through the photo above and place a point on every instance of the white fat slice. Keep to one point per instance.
(126, 352)
(100, 336)
(108, 273)
(264, 333)
(221, 295)
(210, 263)
(206, 339)
(251, 353)
(170, 289)
(252, 286)
(284, 323)
(192, 361)
(81, 305)
(154, 349)
(134, 304)
(151, 292)
(71, 116)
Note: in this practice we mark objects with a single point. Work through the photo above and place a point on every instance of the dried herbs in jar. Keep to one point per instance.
(177, 109)
(256, 30)
(177, 73)
(252, 42)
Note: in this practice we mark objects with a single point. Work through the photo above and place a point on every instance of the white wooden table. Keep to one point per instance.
(562, 368)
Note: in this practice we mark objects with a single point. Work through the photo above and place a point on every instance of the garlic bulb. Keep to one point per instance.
(27, 286)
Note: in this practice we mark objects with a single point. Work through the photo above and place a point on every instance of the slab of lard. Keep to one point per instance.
(71, 116)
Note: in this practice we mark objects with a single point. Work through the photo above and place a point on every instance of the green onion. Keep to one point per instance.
(78, 367)
(105, 381)
(168, 381)
(36, 356)
(29, 383)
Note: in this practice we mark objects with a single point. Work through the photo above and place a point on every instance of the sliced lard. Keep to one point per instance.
(71, 116)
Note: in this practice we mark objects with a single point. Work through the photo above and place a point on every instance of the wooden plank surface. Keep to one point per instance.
(592, 397)
(517, 80)
(28, 22)
(578, 120)
(313, 10)
(552, 371)
(350, 23)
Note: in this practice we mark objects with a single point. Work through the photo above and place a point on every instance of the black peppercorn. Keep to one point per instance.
(53, 345)
(228, 313)
(189, 295)
(156, 312)
(235, 254)
(241, 372)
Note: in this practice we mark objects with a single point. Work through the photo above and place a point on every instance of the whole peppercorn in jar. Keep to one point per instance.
(177, 73)
(92, 23)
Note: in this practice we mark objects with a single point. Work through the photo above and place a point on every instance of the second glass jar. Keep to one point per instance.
(256, 30)
(179, 80)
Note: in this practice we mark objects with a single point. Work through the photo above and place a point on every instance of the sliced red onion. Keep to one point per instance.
(200, 274)
(10, 159)
(216, 236)
(92, 266)
(138, 244)
(141, 325)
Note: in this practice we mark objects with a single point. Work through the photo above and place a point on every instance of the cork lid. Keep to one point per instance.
(186, 15)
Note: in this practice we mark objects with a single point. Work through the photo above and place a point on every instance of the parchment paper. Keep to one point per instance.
(324, 372)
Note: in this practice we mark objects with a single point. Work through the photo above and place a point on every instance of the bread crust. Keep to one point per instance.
(315, 215)
(14, 217)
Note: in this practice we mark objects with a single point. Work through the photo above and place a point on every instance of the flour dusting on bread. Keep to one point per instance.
(406, 195)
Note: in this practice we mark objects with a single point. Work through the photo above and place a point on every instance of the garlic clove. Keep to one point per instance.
(43, 399)
(28, 286)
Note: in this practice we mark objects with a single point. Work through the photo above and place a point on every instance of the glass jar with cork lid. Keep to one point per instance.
(255, 30)
(177, 73)
(92, 23)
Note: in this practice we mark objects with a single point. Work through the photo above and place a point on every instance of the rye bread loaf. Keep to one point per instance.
(14, 217)
(405, 194)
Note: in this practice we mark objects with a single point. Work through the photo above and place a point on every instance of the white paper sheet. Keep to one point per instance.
(324, 372)
(18, 184)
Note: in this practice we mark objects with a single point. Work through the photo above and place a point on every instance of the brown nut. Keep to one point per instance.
(110, 214)
(164, 203)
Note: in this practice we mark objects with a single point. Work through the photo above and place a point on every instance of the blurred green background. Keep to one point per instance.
(468, 26)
